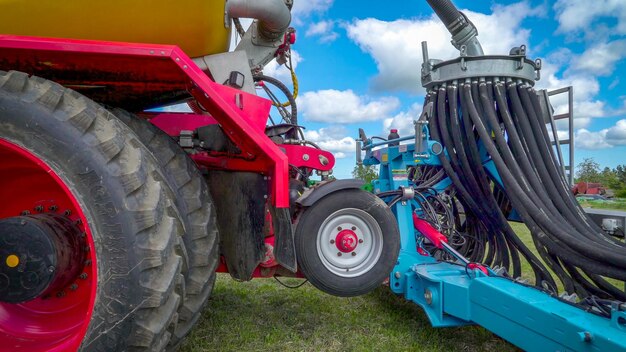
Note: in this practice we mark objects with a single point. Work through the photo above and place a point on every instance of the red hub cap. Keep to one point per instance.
(346, 241)
(56, 320)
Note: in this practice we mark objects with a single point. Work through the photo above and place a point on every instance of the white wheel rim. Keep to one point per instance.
(349, 259)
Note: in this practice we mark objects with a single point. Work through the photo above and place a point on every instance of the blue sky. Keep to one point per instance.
(358, 65)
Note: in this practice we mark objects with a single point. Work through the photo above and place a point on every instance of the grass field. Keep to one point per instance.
(615, 204)
(262, 315)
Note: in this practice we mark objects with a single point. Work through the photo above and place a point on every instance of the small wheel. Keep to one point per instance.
(347, 243)
(192, 198)
(70, 167)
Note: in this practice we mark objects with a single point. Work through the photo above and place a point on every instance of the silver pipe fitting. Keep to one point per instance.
(274, 16)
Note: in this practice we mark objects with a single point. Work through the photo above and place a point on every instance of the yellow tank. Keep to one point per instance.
(197, 26)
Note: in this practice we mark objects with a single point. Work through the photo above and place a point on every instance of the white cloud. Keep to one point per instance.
(280, 72)
(403, 121)
(324, 30)
(396, 48)
(601, 58)
(335, 106)
(579, 15)
(304, 8)
(603, 139)
(616, 135)
(591, 140)
(333, 139)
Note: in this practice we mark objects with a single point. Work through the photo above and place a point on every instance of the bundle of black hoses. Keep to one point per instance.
(506, 119)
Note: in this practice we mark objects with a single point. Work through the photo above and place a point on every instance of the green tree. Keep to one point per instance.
(367, 173)
(609, 178)
(588, 171)
(620, 173)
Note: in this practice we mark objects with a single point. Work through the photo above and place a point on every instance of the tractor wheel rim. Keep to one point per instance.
(57, 322)
(349, 242)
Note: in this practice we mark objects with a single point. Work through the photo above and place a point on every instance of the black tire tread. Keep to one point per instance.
(156, 226)
(194, 201)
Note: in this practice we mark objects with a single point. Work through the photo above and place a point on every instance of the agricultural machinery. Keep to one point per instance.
(117, 213)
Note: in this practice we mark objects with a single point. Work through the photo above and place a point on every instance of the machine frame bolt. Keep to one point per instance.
(428, 296)
(397, 274)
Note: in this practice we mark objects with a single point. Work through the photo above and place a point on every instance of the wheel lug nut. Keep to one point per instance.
(53, 208)
(61, 294)
(353, 228)
(39, 208)
(25, 212)
(88, 262)
(74, 287)
(360, 241)
(67, 212)
(339, 254)
(332, 241)
(339, 228)
(83, 276)
(353, 254)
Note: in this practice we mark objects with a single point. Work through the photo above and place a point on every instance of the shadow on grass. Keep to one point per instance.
(262, 315)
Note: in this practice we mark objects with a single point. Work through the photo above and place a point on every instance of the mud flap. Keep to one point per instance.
(240, 207)
(285, 248)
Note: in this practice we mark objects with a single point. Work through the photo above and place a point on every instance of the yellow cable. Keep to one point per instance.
(294, 80)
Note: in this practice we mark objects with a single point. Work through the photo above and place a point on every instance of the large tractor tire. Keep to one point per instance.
(347, 243)
(69, 167)
(196, 206)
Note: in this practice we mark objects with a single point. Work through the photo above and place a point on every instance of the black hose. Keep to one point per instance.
(283, 88)
(445, 10)
(509, 123)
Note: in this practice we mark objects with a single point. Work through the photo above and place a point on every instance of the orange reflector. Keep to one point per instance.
(13, 261)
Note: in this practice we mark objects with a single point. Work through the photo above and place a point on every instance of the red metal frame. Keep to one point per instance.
(109, 72)
(54, 323)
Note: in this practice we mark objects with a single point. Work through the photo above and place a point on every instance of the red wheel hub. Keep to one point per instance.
(59, 320)
(346, 241)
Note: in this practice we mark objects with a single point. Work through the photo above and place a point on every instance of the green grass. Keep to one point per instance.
(262, 315)
(615, 204)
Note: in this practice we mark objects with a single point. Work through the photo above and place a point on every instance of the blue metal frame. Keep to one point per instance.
(454, 295)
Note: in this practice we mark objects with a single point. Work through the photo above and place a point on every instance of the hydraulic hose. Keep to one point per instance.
(505, 118)
(445, 10)
(463, 31)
